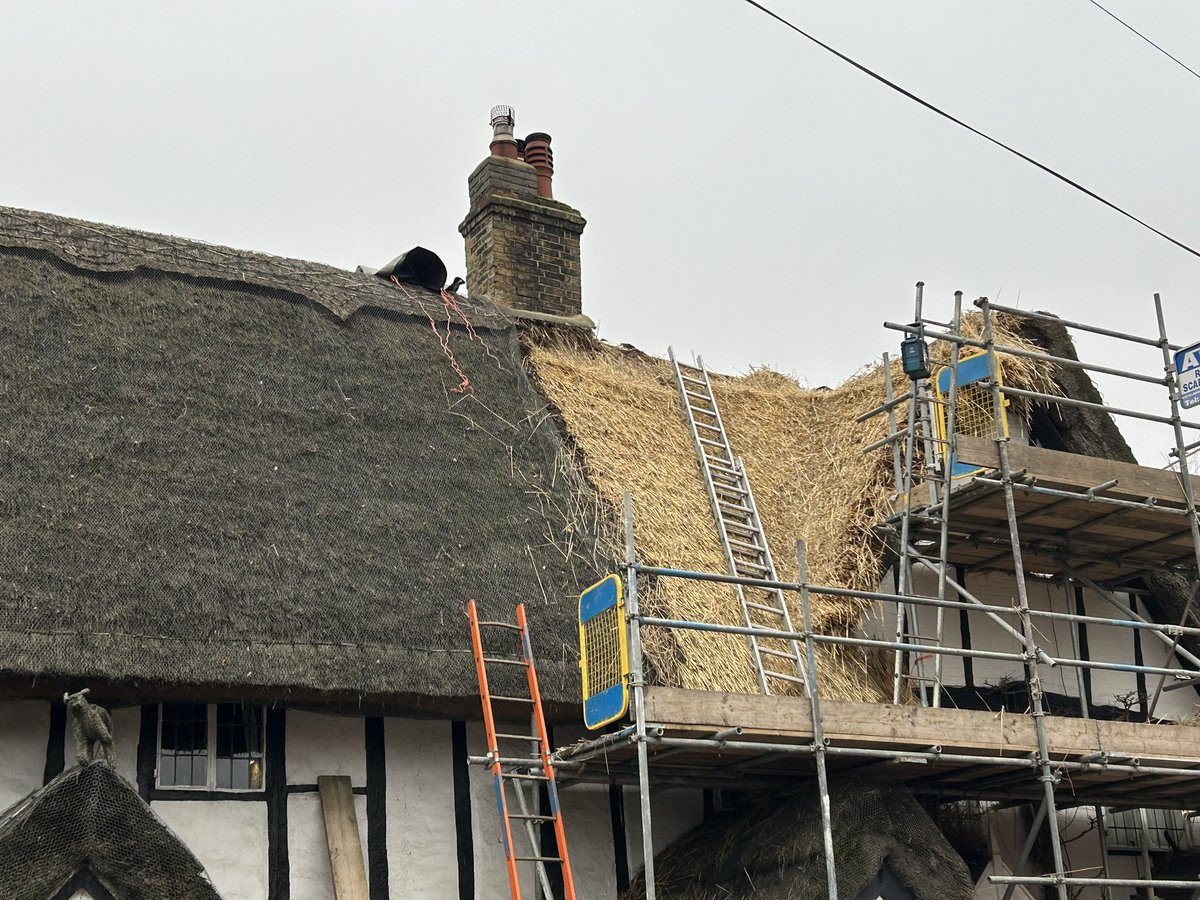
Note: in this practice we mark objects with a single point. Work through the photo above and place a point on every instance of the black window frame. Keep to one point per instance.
(212, 728)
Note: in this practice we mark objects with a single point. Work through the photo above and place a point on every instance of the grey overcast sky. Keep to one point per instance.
(749, 197)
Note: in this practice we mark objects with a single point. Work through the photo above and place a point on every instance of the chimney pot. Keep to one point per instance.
(522, 245)
(539, 155)
(503, 122)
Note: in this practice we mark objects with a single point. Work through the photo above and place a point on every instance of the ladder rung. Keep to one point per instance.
(779, 653)
(720, 468)
(735, 507)
(520, 737)
(543, 859)
(738, 526)
(713, 444)
(507, 625)
(739, 563)
(707, 426)
(524, 777)
(531, 817)
(699, 381)
(750, 548)
(512, 699)
(692, 395)
(500, 660)
(794, 678)
(759, 606)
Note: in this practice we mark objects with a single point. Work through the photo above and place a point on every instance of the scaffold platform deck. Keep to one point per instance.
(706, 738)
(1109, 520)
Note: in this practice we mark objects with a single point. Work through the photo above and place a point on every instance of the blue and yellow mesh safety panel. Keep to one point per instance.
(603, 652)
(973, 411)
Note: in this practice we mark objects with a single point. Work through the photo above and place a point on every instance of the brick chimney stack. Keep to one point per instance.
(522, 244)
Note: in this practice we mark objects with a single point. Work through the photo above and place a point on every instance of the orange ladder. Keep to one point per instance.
(516, 770)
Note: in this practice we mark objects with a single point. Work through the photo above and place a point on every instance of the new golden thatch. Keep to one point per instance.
(802, 450)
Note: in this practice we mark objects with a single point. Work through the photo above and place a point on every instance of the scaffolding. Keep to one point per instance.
(983, 520)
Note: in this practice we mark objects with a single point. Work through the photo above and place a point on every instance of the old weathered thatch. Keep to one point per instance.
(234, 470)
(91, 820)
(775, 850)
(802, 450)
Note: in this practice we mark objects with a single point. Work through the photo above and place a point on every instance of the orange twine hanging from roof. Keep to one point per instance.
(464, 383)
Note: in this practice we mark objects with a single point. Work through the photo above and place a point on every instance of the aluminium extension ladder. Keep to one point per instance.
(777, 662)
(515, 769)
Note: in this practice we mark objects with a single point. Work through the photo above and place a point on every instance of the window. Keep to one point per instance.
(1165, 829)
(213, 746)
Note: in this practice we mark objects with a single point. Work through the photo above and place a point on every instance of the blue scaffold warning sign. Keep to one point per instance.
(1187, 369)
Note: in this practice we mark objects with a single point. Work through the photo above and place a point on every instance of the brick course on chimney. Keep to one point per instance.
(522, 248)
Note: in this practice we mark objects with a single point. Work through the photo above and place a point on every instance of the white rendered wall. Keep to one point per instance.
(587, 817)
(421, 837)
(325, 745)
(673, 813)
(229, 837)
(308, 850)
(24, 728)
(1081, 849)
(126, 727)
(1105, 643)
(491, 876)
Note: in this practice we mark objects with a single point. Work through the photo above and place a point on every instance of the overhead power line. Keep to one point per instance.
(971, 128)
(1173, 59)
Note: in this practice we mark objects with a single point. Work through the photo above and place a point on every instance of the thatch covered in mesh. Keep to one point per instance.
(802, 450)
(775, 850)
(266, 480)
(91, 819)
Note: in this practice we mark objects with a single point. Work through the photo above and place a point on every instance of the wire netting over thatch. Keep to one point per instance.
(91, 819)
(220, 482)
(803, 455)
(775, 850)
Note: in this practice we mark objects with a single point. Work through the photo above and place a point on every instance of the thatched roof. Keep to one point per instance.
(775, 850)
(223, 468)
(236, 471)
(90, 819)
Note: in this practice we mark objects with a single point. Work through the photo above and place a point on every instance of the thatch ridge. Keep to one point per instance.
(105, 248)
